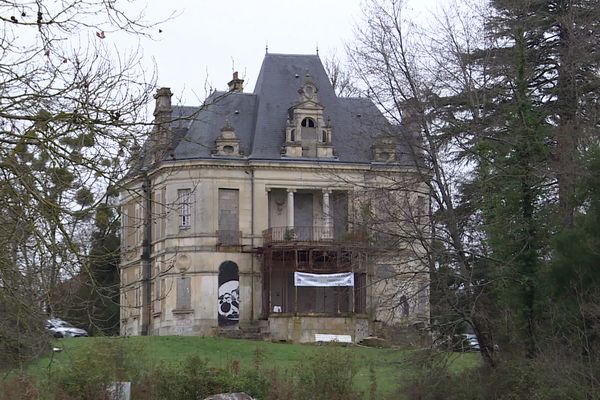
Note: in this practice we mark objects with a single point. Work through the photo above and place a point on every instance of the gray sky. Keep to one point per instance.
(208, 39)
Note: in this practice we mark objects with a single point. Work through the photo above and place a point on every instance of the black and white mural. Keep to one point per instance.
(229, 294)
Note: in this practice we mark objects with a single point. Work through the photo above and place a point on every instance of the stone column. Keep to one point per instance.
(327, 232)
(290, 208)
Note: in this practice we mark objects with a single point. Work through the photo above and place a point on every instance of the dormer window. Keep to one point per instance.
(227, 143)
(307, 133)
(308, 123)
(384, 149)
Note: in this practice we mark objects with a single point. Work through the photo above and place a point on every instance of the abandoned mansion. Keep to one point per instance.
(288, 212)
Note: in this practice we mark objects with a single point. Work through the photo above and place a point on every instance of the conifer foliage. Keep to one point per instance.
(505, 96)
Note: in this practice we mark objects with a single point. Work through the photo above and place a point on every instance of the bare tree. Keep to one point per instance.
(341, 80)
(414, 76)
(71, 107)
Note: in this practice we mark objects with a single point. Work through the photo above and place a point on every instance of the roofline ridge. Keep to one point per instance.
(292, 54)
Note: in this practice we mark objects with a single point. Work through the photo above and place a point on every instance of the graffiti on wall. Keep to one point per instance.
(229, 294)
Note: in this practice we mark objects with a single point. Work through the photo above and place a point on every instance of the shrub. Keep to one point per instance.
(192, 379)
(18, 387)
(95, 366)
(328, 375)
(512, 379)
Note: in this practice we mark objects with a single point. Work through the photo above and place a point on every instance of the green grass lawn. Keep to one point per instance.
(389, 365)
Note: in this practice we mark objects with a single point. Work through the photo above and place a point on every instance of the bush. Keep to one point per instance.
(19, 387)
(95, 366)
(328, 375)
(512, 379)
(192, 379)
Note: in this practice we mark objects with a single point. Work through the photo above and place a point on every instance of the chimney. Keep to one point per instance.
(161, 134)
(162, 109)
(236, 84)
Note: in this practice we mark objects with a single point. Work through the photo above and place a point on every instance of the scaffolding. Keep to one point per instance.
(286, 253)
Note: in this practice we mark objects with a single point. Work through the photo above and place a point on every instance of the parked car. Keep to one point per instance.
(469, 342)
(461, 342)
(60, 329)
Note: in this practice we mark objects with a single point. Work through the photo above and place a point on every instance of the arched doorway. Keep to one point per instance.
(229, 294)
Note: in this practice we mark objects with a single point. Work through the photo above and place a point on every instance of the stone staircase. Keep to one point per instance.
(248, 330)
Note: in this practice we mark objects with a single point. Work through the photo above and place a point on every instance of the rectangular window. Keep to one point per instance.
(139, 223)
(157, 289)
(229, 225)
(124, 227)
(156, 215)
(162, 295)
(184, 199)
(162, 222)
(184, 295)
(128, 224)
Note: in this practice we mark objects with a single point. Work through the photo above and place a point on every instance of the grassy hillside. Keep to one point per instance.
(386, 367)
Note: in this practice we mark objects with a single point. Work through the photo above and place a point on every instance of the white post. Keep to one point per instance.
(327, 234)
(290, 208)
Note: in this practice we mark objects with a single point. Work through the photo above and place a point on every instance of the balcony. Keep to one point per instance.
(309, 234)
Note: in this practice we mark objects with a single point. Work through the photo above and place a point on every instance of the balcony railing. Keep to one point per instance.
(284, 234)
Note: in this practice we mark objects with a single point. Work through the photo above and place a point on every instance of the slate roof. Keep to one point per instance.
(259, 118)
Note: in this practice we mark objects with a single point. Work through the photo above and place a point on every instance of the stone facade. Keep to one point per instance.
(226, 203)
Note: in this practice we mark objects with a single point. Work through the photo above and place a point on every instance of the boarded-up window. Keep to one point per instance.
(162, 294)
(124, 226)
(184, 200)
(157, 211)
(129, 224)
(157, 289)
(340, 215)
(184, 295)
(162, 216)
(138, 296)
(303, 216)
(229, 225)
(139, 217)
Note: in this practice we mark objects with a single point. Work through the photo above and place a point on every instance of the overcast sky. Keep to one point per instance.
(208, 39)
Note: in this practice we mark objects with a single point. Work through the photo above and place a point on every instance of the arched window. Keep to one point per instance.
(308, 123)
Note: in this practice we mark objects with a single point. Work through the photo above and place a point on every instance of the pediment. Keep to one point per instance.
(308, 104)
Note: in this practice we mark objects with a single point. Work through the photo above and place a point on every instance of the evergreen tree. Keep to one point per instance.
(94, 302)
(563, 43)
(511, 181)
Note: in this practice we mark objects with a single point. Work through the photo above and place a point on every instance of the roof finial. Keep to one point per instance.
(317, 48)
(267, 48)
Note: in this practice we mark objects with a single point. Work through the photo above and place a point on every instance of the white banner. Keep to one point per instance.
(322, 280)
